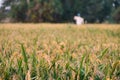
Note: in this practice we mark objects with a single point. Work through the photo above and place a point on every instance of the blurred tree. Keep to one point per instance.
(44, 10)
(18, 10)
(34, 10)
(60, 10)
(116, 15)
(92, 10)
(116, 3)
(68, 12)
(2, 15)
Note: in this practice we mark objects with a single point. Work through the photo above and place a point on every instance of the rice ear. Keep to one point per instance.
(28, 77)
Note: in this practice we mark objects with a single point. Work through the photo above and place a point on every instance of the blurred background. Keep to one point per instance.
(59, 11)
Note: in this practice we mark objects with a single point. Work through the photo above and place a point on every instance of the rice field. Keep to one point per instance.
(59, 52)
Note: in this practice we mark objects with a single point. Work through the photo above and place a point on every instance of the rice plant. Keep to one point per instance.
(59, 52)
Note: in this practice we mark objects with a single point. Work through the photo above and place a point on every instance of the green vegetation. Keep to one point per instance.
(61, 10)
(116, 15)
(59, 52)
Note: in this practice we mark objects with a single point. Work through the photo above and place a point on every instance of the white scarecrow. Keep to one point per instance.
(79, 20)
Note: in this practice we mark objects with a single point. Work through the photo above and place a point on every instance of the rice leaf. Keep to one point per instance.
(24, 57)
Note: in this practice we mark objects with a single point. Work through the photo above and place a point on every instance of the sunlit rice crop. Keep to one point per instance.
(59, 52)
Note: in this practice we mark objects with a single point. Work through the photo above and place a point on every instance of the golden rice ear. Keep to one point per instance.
(91, 78)
(14, 77)
(108, 78)
(28, 76)
(1, 78)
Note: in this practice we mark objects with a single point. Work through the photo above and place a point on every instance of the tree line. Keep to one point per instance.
(61, 10)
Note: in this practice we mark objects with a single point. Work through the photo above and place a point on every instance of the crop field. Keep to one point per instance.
(59, 52)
